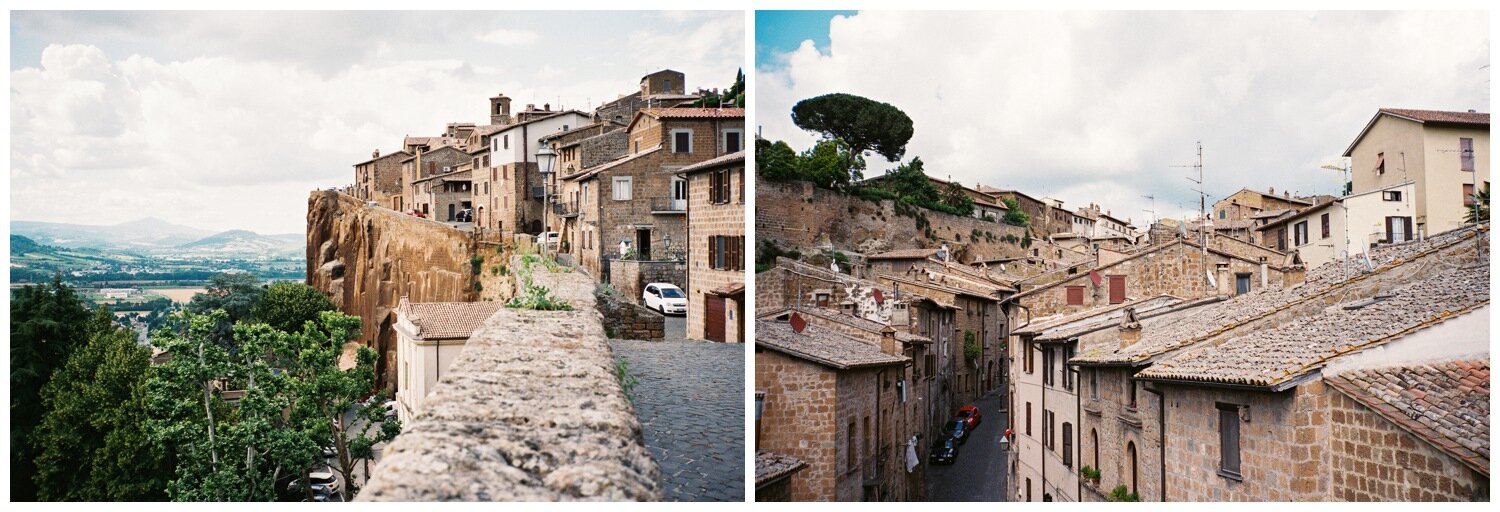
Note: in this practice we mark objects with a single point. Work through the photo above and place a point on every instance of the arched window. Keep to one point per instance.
(1094, 441)
(1130, 457)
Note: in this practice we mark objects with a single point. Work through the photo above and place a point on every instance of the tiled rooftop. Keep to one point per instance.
(731, 158)
(1441, 116)
(1274, 357)
(1446, 403)
(770, 466)
(1174, 331)
(1062, 327)
(822, 346)
(862, 324)
(694, 113)
(447, 320)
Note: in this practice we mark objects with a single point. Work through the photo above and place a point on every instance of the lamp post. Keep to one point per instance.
(544, 159)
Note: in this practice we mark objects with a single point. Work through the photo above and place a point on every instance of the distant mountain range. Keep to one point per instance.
(153, 235)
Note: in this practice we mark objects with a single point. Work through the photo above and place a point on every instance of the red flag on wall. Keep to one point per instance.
(1094, 276)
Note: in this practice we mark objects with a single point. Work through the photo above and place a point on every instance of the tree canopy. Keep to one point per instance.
(287, 306)
(47, 323)
(862, 123)
(92, 442)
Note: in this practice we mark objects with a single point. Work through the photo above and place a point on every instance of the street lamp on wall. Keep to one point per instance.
(544, 160)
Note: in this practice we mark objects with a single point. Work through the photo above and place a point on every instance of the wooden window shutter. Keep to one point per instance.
(1075, 295)
(740, 177)
(1067, 452)
(1229, 438)
(712, 252)
(1407, 224)
(713, 187)
(1465, 154)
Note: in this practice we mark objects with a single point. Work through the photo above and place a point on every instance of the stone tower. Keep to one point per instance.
(500, 109)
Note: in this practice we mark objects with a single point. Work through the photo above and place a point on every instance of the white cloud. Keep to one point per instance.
(1099, 107)
(510, 37)
(111, 132)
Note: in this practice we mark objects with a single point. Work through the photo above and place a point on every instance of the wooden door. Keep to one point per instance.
(713, 318)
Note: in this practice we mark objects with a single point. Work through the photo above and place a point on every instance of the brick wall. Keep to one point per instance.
(799, 418)
(1118, 427)
(624, 319)
(1283, 454)
(707, 219)
(1372, 459)
(602, 148)
(1178, 270)
(797, 215)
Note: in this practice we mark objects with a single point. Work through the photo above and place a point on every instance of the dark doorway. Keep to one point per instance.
(643, 244)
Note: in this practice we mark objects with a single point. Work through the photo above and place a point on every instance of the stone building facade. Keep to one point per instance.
(717, 253)
(636, 206)
(378, 179)
(518, 193)
(423, 164)
(1179, 268)
(1190, 376)
(978, 321)
(830, 400)
(445, 195)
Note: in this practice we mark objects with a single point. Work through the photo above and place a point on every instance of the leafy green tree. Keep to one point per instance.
(910, 182)
(47, 322)
(1014, 215)
(830, 164)
(326, 405)
(862, 123)
(92, 440)
(955, 197)
(226, 452)
(287, 306)
(775, 161)
(236, 294)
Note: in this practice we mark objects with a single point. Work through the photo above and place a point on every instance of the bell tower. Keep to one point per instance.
(500, 109)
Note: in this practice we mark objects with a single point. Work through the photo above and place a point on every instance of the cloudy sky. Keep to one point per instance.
(1099, 107)
(227, 120)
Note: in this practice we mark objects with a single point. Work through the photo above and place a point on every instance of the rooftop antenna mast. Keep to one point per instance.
(1202, 197)
(1152, 211)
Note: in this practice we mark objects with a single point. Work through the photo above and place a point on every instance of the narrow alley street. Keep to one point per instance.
(979, 473)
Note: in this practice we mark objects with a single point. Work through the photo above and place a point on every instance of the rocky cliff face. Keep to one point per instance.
(367, 258)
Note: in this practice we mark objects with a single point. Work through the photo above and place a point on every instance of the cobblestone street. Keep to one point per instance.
(691, 401)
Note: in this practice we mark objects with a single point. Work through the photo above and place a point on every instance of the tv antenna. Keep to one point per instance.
(1152, 211)
(1202, 197)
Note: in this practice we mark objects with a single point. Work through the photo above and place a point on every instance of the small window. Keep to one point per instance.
(1028, 418)
(732, 141)
(1299, 233)
(1075, 295)
(1466, 154)
(1067, 438)
(1468, 194)
(1327, 229)
(621, 188)
(505, 139)
(1130, 387)
(1380, 163)
(1094, 383)
(1229, 440)
(1047, 366)
(1391, 195)
(682, 141)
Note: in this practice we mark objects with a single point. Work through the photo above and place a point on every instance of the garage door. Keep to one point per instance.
(713, 318)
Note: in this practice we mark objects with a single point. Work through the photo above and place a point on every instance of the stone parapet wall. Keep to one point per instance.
(624, 319)
(532, 410)
(630, 277)
(798, 215)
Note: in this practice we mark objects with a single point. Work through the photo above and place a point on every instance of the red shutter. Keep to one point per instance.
(1075, 295)
(1116, 289)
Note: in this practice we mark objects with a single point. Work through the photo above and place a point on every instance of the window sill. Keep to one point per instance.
(1231, 475)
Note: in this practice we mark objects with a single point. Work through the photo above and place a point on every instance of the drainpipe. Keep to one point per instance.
(1077, 425)
(1046, 427)
(1161, 431)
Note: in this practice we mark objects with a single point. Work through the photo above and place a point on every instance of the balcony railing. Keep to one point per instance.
(565, 210)
(668, 205)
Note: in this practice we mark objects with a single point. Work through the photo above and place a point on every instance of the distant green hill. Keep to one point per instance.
(21, 246)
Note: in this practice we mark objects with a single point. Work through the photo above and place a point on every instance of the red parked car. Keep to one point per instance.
(971, 416)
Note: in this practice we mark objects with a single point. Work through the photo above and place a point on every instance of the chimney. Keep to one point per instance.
(1130, 328)
(888, 341)
(1295, 271)
(547, 107)
(1271, 191)
(376, 154)
(1221, 275)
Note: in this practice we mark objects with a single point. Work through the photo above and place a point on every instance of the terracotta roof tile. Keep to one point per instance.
(1273, 357)
(694, 113)
(823, 346)
(770, 466)
(903, 254)
(862, 324)
(1440, 116)
(447, 320)
(731, 158)
(1445, 403)
(1175, 331)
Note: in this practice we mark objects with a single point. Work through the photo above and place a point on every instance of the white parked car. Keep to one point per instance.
(665, 297)
(550, 239)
